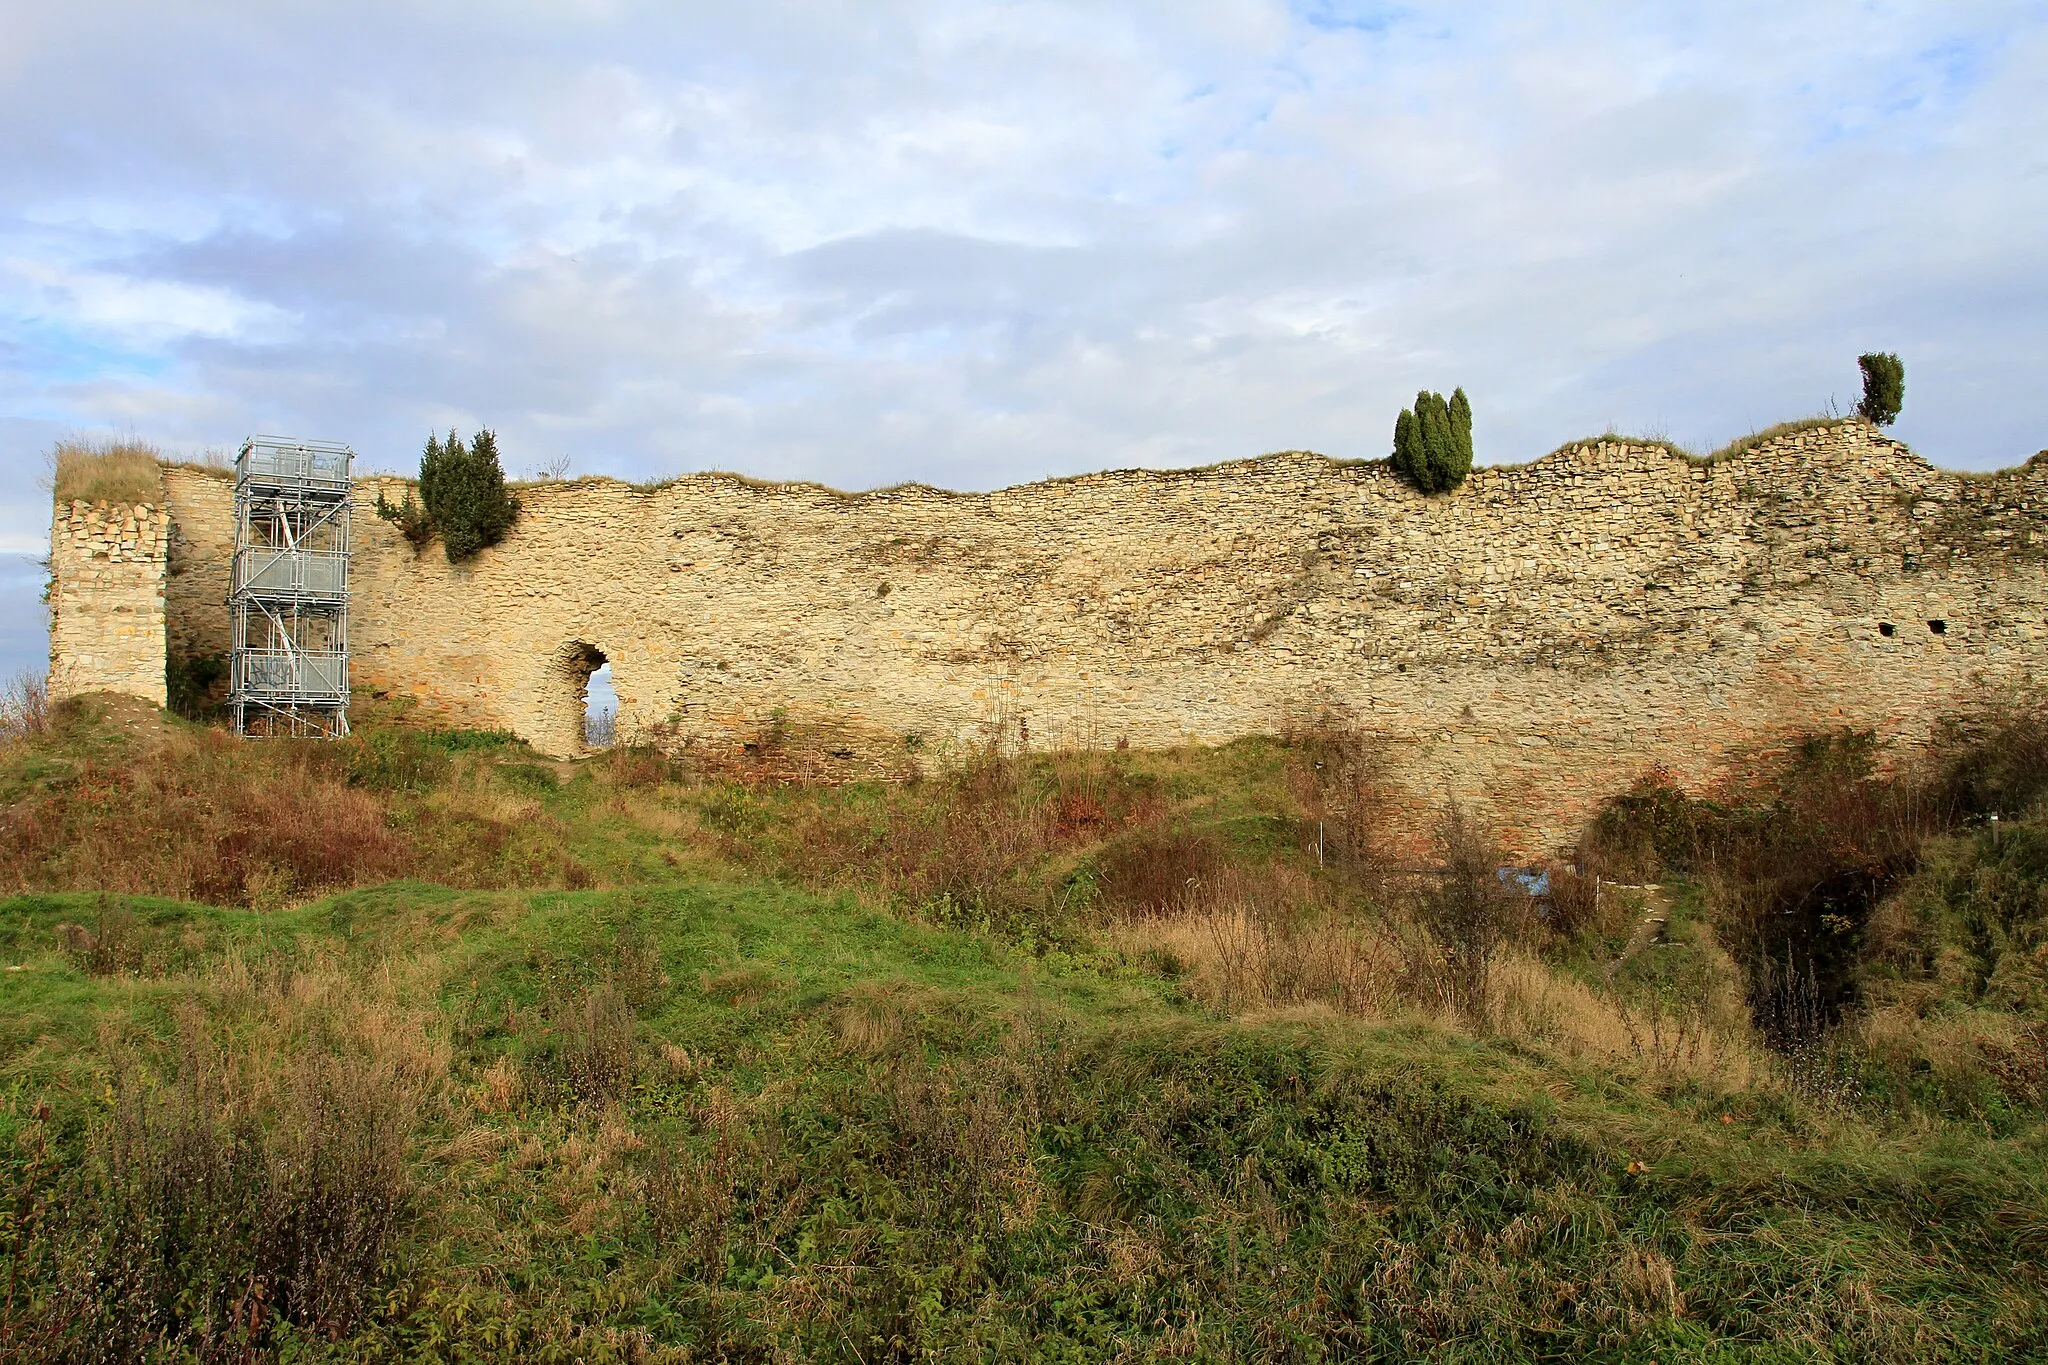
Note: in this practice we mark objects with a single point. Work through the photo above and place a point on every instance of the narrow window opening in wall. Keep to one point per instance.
(1887, 629)
(1938, 627)
(600, 707)
(589, 695)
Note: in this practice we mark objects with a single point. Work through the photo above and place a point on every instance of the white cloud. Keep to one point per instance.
(980, 243)
(147, 312)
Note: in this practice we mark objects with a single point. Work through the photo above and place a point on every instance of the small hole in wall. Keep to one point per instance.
(882, 591)
(1938, 627)
(1887, 629)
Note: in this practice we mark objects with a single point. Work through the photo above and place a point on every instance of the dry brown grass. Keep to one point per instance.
(1743, 444)
(190, 820)
(202, 816)
(1537, 1004)
(874, 1018)
(1964, 1052)
(107, 471)
(1237, 961)
(971, 844)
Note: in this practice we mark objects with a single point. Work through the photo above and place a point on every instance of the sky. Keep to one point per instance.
(977, 244)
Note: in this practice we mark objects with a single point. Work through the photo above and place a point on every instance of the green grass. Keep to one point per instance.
(845, 1136)
(805, 1073)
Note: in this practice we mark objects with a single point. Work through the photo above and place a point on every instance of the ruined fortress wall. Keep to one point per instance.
(1533, 640)
(107, 599)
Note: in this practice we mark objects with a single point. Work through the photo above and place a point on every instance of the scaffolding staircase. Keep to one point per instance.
(288, 595)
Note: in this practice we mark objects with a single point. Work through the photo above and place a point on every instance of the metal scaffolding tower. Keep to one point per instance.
(289, 591)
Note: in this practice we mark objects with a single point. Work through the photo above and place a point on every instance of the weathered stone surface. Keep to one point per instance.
(1534, 640)
(107, 599)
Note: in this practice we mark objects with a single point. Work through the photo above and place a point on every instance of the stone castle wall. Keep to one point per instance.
(107, 599)
(1533, 640)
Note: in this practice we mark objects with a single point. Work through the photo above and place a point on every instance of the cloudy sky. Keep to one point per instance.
(980, 243)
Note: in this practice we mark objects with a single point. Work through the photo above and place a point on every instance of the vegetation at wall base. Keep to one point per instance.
(1884, 387)
(441, 1051)
(195, 684)
(1433, 442)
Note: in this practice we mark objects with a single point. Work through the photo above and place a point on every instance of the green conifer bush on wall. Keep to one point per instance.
(463, 489)
(1884, 387)
(1433, 441)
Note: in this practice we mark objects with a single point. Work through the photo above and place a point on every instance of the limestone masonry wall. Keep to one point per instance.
(107, 599)
(1533, 640)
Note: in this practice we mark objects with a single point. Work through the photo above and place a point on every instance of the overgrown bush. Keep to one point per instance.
(1433, 442)
(1794, 854)
(463, 498)
(1579, 911)
(1884, 387)
(1992, 756)
(1469, 912)
(1154, 871)
(203, 816)
(1798, 850)
(463, 487)
(1339, 779)
(190, 681)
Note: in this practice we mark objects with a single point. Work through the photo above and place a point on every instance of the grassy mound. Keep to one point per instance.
(737, 1121)
(474, 1057)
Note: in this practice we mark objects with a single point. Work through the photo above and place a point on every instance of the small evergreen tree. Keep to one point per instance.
(1409, 460)
(412, 519)
(1884, 387)
(1458, 463)
(465, 496)
(1433, 442)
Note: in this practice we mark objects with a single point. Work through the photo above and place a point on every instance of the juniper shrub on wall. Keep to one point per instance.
(1433, 441)
(462, 487)
(1884, 388)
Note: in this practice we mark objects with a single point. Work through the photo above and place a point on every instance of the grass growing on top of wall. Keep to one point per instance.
(107, 471)
(1740, 445)
(1072, 1056)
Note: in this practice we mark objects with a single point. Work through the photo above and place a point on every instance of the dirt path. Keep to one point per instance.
(564, 769)
(1656, 916)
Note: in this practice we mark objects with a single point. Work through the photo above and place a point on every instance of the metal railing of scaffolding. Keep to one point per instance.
(288, 589)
